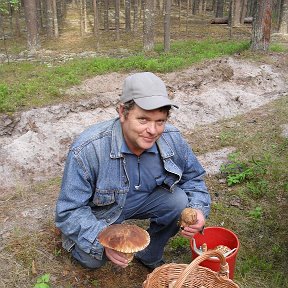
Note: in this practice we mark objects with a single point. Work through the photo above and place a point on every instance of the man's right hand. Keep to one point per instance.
(116, 257)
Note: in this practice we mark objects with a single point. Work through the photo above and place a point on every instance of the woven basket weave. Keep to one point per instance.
(191, 276)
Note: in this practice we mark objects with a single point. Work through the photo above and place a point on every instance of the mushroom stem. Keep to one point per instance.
(129, 256)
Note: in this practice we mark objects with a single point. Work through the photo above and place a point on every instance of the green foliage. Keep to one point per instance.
(95, 283)
(226, 136)
(43, 281)
(34, 84)
(3, 94)
(179, 242)
(237, 172)
(256, 213)
(278, 48)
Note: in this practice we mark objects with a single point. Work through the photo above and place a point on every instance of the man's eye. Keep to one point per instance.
(161, 122)
(142, 120)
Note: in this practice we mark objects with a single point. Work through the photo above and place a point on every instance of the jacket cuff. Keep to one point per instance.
(205, 209)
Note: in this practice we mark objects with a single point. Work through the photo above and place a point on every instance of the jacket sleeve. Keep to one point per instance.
(74, 216)
(192, 181)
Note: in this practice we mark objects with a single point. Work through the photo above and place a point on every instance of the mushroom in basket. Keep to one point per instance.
(125, 238)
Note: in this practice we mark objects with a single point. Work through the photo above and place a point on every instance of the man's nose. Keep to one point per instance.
(151, 127)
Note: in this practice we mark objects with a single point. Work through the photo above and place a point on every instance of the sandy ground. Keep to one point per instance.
(34, 144)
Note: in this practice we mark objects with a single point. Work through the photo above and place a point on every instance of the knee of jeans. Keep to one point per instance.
(179, 200)
(92, 264)
(86, 260)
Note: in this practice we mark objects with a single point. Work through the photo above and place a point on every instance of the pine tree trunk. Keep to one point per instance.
(187, 14)
(244, 11)
(85, 16)
(33, 40)
(283, 23)
(261, 28)
(96, 23)
(117, 19)
(49, 19)
(136, 17)
(127, 16)
(180, 8)
(106, 15)
(167, 25)
(55, 19)
(148, 25)
(236, 13)
(17, 20)
(219, 8)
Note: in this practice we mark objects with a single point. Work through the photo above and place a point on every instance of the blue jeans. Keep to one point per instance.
(163, 208)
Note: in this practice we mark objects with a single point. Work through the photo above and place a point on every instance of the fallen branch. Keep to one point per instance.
(224, 20)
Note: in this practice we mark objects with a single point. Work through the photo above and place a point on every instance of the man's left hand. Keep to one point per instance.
(190, 231)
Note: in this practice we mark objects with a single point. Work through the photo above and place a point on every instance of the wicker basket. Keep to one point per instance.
(191, 276)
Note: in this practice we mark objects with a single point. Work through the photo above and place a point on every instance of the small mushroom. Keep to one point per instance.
(125, 238)
(188, 217)
(222, 248)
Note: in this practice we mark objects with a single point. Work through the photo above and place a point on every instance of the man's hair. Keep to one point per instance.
(129, 105)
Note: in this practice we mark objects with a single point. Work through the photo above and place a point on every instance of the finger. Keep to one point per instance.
(117, 257)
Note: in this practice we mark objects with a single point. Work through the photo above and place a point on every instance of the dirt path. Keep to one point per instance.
(33, 144)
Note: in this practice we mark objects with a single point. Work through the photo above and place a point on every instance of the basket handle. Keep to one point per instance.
(224, 267)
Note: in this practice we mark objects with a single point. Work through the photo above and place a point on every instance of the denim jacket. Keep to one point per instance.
(95, 182)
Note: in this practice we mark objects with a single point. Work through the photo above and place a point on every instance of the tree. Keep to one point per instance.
(55, 19)
(261, 26)
(236, 13)
(85, 16)
(243, 11)
(49, 18)
(117, 19)
(127, 16)
(219, 8)
(136, 16)
(96, 23)
(283, 23)
(106, 15)
(33, 40)
(148, 25)
(167, 24)
(187, 14)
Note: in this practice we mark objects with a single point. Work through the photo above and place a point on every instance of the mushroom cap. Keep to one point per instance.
(125, 238)
(188, 217)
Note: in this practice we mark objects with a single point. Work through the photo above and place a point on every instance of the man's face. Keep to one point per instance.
(141, 128)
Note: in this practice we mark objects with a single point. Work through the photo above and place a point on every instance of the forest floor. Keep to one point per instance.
(33, 146)
(34, 152)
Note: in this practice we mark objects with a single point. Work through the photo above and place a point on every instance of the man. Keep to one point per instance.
(133, 167)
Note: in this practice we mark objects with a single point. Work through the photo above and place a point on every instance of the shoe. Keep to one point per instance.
(151, 267)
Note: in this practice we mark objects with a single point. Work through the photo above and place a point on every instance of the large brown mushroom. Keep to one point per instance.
(188, 217)
(125, 238)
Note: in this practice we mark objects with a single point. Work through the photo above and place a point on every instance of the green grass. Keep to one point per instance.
(254, 204)
(31, 84)
(260, 220)
(275, 47)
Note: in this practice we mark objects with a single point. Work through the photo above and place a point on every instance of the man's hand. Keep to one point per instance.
(116, 257)
(190, 231)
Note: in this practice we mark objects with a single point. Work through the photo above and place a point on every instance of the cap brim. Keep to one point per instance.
(154, 102)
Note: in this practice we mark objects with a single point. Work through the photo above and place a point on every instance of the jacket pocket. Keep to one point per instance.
(103, 197)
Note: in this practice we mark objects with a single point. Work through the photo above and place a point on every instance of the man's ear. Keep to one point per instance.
(121, 112)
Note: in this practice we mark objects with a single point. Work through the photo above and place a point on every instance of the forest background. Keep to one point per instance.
(62, 43)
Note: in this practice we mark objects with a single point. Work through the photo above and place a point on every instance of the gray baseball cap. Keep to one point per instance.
(147, 90)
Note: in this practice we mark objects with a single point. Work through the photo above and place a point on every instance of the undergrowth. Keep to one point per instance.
(30, 84)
